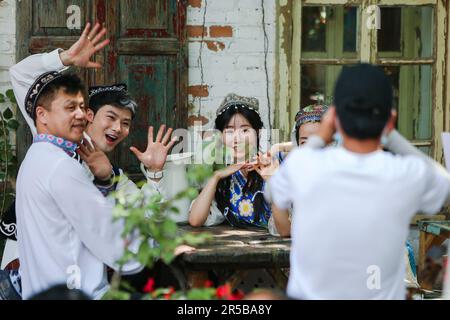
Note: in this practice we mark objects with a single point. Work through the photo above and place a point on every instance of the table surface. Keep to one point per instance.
(237, 247)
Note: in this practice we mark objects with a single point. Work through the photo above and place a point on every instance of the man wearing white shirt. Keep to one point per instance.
(108, 122)
(353, 204)
(65, 228)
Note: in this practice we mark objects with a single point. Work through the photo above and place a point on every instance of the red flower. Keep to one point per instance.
(208, 284)
(149, 286)
(224, 291)
(169, 294)
(238, 295)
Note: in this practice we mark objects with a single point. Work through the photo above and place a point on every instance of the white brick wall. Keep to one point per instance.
(7, 41)
(239, 67)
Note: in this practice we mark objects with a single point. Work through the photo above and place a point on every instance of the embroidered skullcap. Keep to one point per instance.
(312, 113)
(36, 89)
(119, 87)
(234, 100)
(117, 93)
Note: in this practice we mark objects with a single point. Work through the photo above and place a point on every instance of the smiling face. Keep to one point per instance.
(240, 136)
(109, 126)
(65, 118)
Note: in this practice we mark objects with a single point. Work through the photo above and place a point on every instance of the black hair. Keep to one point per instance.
(363, 98)
(358, 121)
(70, 83)
(118, 99)
(254, 180)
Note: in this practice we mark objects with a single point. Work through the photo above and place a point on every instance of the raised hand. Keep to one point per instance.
(154, 157)
(96, 160)
(80, 53)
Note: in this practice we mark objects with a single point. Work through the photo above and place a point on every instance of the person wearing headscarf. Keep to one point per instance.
(307, 121)
(235, 193)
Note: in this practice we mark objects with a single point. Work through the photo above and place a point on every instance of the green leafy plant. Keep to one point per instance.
(8, 159)
(147, 218)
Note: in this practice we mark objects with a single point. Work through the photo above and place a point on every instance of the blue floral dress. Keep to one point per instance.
(242, 210)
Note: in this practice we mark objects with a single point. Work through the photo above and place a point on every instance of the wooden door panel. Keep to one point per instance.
(152, 81)
(50, 17)
(148, 51)
(147, 18)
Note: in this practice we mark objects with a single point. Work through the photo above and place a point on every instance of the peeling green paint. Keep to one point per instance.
(283, 67)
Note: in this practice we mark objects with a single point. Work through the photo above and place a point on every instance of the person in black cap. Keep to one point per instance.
(352, 204)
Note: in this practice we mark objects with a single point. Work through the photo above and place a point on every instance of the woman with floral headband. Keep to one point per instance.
(307, 122)
(235, 193)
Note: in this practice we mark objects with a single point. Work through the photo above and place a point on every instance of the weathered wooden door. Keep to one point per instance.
(148, 52)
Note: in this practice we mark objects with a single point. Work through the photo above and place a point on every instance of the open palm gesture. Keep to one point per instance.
(89, 43)
(154, 157)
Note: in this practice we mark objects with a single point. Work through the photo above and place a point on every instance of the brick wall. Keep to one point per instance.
(232, 54)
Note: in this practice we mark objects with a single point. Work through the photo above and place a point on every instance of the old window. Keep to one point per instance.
(409, 45)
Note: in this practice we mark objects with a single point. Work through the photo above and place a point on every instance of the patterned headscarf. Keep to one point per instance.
(312, 113)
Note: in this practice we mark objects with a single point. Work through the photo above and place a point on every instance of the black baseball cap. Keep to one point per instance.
(364, 89)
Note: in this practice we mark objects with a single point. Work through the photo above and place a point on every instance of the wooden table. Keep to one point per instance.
(432, 233)
(236, 250)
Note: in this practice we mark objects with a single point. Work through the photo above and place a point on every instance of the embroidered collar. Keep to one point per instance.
(68, 146)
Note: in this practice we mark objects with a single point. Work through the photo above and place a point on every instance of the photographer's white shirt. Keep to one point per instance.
(351, 218)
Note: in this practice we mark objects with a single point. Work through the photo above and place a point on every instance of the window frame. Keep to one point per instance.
(290, 61)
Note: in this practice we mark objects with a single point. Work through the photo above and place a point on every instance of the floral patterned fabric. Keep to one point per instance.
(68, 146)
(241, 210)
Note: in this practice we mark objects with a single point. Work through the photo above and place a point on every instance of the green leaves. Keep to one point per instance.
(198, 173)
(13, 124)
(150, 218)
(11, 96)
(8, 160)
(201, 293)
(8, 114)
(196, 239)
(116, 295)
